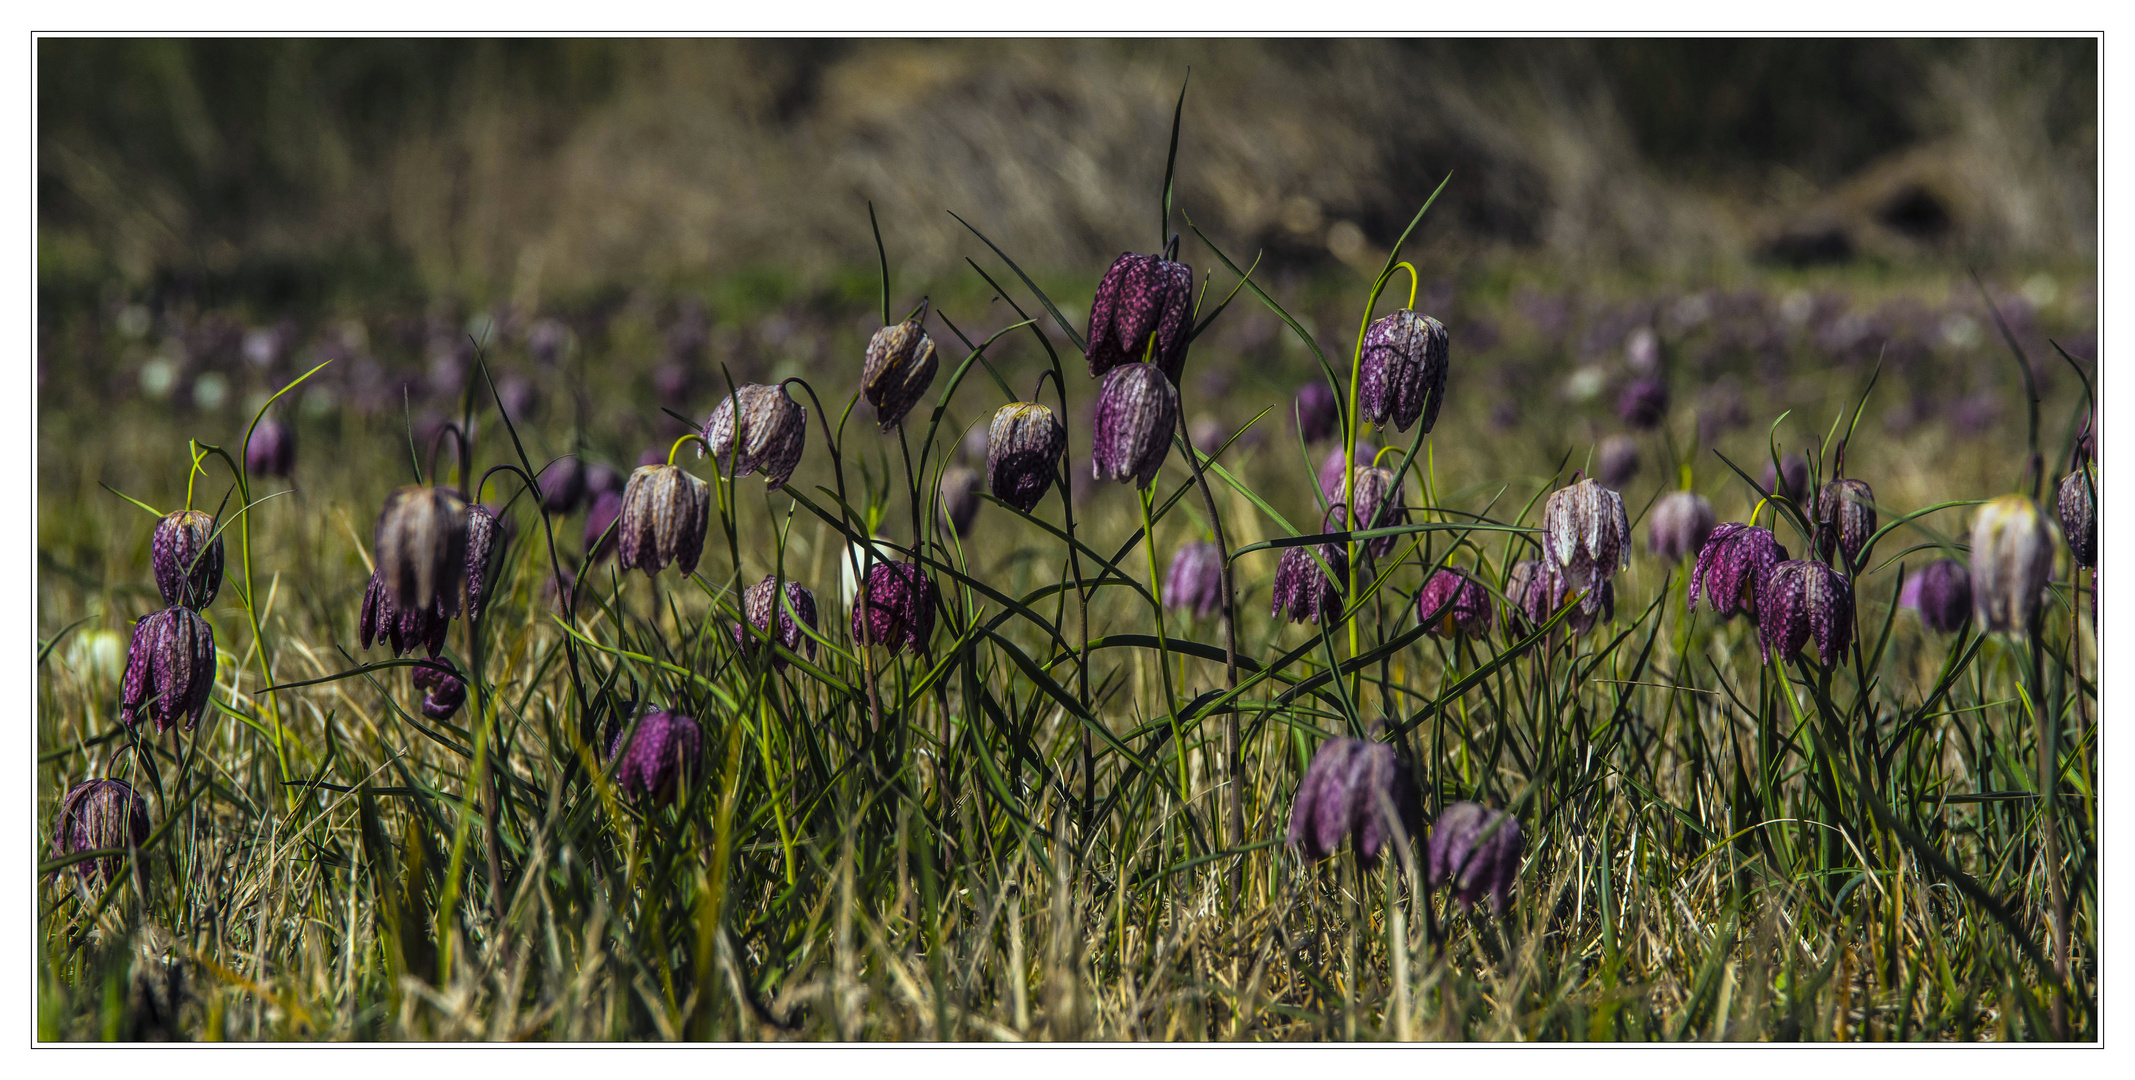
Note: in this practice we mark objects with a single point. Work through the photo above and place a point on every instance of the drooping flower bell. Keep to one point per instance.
(401, 628)
(1333, 469)
(1791, 481)
(486, 533)
(664, 516)
(1678, 525)
(1476, 850)
(1306, 592)
(2012, 556)
(1643, 403)
(1143, 310)
(1588, 536)
(99, 815)
(1022, 445)
(1732, 568)
(272, 450)
(758, 602)
(170, 668)
(603, 521)
(421, 545)
(187, 558)
(959, 498)
(1616, 461)
(1941, 593)
(1845, 518)
(1379, 506)
(443, 691)
(1452, 602)
(1316, 413)
(665, 751)
(1805, 599)
(1358, 790)
(899, 368)
(1537, 589)
(563, 485)
(1195, 581)
(601, 479)
(1403, 375)
(894, 608)
(758, 429)
(1137, 410)
(2079, 514)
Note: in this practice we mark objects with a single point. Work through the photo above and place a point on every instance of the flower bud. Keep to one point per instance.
(1476, 850)
(1141, 297)
(1588, 536)
(187, 558)
(1316, 413)
(563, 485)
(1732, 568)
(1137, 409)
(421, 545)
(402, 628)
(1195, 580)
(759, 428)
(603, 521)
(96, 815)
(443, 692)
(899, 368)
(1304, 591)
(959, 498)
(2079, 514)
(486, 534)
(666, 749)
(1379, 506)
(665, 513)
(1845, 518)
(894, 608)
(1405, 360)
(1678, 525)
(1355, 789)
(1022, 444)
(758, 602)
(1793, 484)
(1643, 403)
(272, 450)
(1452, 602)
(170, 668)
(2012, 555)
(1804, 599)
(1616, 461)
(1941, 593)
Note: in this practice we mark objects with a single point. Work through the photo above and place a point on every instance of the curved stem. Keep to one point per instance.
(1412, 283)
(677, 447)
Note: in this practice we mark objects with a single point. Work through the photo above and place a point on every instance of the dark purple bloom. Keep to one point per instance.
(1537, 589)
(1022, 445)
(1732, 567)
(1643, 403)
(2079, 514)
(959, 498)
(1304, 590)
(894, 608)
(757, 602)
(1678, 525)
(1316, 413)
(1845, 518)
(517, 396)
(443, 692)
(1616, 461)
(1452, 602)
(97, 815)
(1794, 484)
(665, 513)
(484, 532)
(563, 485)
(1355, 789)
(1476, 850)
(666, 748)
(1941, 593)
(272, 450)
(421, 545)
(607, 512)
(1804, 599)
(601, 479)
(898, 369)
(170, 668)
(401, 628)
(759, 429)
(1405, 360)
(186, 556)
(1137, 408)
(1379, 506)
(1142, 297)
(1587, 536)
(1195, 581)
(1333, 469)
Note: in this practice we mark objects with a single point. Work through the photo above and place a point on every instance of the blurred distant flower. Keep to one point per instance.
(662, 754)
(98, 815)
(1142, 310)
(601, 479)
(959, 498)
(1616, 461)
(1941, 593)
(1406, 358)
(1975, 414)
(186, 556)
(1022, 445)
(546, 340)
(758, 603)
(1207, 433)
(1732, 568)
(1357, 790)
(1804, 599)
(1678, 525)
(1137, 409)
(1475, 850)
(2079, 514)
(665, 513)
(170, 668)
(671, 380)
(2012, 556)
(517, 396)
(272, 450)
(1587, 536)
(1793, 483)
(563, 485)
(1195, 581)
(1452, 602)
(420, 544)
(1845, 518)
(1643, 403)
(766, 433)
(1642, 350)
(899, 368)
(603, 520)
(1316, 413)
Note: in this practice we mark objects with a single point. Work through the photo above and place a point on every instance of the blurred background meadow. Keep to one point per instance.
(603, 229)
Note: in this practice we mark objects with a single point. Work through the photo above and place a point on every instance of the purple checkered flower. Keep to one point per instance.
(1643, 403)
(1317, 415)
(666, 750)
(2079, 514)
(759, 429)
(272, 450)
(1537, 589)
(421, 546)
(186, 556)
(665, 513)
(97, 815)
(401, 628)
(1023, 443)
(1143, 310)
(1304, 592)
(1476, 850)
(443, 691)
(170, 668)
(1403, 374)
(899, 368)
(1195, 581)
(1845, 518)
(894, 608)
(1941, 593)
(1587, 535)
(1137, 409)
(758, 602)
(1358, 790)
(1804, 599)
(1732, 567)
(1452, 602)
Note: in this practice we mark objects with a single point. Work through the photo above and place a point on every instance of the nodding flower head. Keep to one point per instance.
(1137, 409)
(894, 608)
(1678, 525)
(1333, 469)
(1476, 850)
(1732, 568)
(1143, 310)
(1537, 589)
(1357, 790)
(1023, 443)
(758, 429)
(1304, 590)
(170, 667)
(1845, 518)
(1643, 403)
(1616, 461)
(1452, 602)
(665, 513)
(272, 450)
(1587, 535)
(1316, 413)
(443, 691)
(1379, 506)
(1405, 360)
(1942, 594)
(663, 753)
(1792, 482)
(1195, 581)
(2079, 514)
(401, 628)
(2012, 555)
(759, 601)
(485, 533)
(959, 498)
(1804, 599)
(899, 368)
(603, 520)
(187, 558)
(98, 815)
(421, 545)
(563, 485)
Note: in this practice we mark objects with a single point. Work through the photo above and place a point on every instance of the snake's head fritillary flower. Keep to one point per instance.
(1537, 589)
(486, 535)
(758, 429)
(170, 668)
(1845, 518)
(1678, 525)
(1195, 580)
(1475, 850)
(98, 815)
(1137, 410)
(1452, 602)
(1307, 591)
(1023, 444)
(400, 628)
(1317, 415)
(2012, 556)
(1643, 404)
(959, 498)
(563, 485)
(894, 607)
(1357, 790)
(899, 368)
(187, 558)
(1333, 469)
(665, 751)
(2079, 514)
(1942, 594)
(421, 545)
(443, 691)
(1732, 568)
(1142, 311)
(1405, 360)
(1379, 505)
(1587, 535)
(272, 450)
(758, 602)
(665, 512)
(1804, 599)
